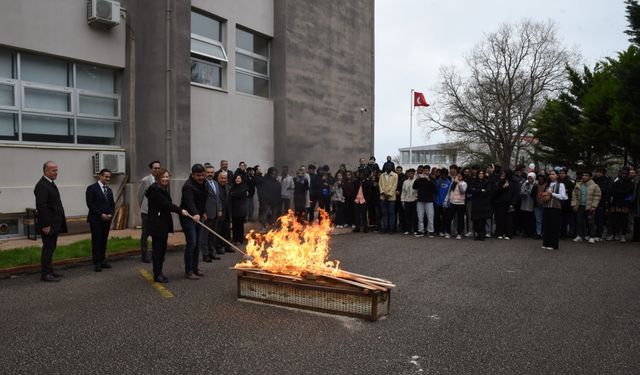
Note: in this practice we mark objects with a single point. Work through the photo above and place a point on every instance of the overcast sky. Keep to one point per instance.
(414, 38)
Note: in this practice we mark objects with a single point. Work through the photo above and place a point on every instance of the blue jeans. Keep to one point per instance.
(538, 212)
(387, 209)
(191, 250)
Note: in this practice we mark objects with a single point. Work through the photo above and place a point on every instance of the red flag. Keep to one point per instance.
(419, 100)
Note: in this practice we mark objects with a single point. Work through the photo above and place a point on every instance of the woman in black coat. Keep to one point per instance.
(239, 197)
(300, 188)
(481, 190)
(160, 223)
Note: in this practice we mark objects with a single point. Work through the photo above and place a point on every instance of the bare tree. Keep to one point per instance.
(510, 74)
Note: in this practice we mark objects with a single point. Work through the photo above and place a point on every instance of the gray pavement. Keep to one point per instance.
(460, 307)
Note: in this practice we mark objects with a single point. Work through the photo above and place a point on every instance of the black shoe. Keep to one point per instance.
(215, 258)
(220, 252)
(49, 278)
(57, 275)
(228, 251)
(206, 259)
(97, 268)
(106, 265)
(198, 273)
(357, 230)
(161, 279)
(145, 258)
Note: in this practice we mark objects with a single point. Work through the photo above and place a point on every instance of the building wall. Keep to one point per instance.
(226, 124)
(323, 77)
(22, 167)
(159, 128)
(60, 28)
(56, 28)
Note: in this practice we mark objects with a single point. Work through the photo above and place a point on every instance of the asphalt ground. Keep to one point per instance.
(460, 307)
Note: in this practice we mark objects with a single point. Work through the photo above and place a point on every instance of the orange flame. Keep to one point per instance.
(293, 249)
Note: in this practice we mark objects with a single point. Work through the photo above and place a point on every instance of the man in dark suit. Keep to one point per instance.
(224, 167)
(224, 220)
(51, 218)
(101, 207)
(213, 210)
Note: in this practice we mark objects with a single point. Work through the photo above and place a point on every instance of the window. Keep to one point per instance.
(208, 56)
(45, 99)
(252, 63)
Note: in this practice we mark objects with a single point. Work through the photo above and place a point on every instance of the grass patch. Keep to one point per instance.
(31, 255)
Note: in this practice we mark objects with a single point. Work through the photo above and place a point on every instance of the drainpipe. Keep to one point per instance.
(167, 93)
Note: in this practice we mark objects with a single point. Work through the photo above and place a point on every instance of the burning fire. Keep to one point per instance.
(296, 248)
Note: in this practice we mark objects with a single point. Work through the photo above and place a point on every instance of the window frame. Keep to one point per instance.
(16, 98)
(254, 55)
(222, 63)
(19, 109)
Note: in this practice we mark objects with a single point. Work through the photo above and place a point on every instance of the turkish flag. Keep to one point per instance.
(419, 100)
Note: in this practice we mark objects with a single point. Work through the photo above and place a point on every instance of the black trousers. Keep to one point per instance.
(223, 229)
(237, 225)
(551, 222)
(158, 250)
(144, 234)
(207, 239)
(99, 236)
(349, 212)
(455, 210)
(401, 216)
(49, 243)
(504, 220)
(410, 217)
(479, 228)
(438, 219)
(339, 217)
(361, 217)
(528, 223)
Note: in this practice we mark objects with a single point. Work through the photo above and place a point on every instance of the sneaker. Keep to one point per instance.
(577, 239)
(507, 238)
(598, 239)
(487, 235)
(458, 237)
(419, 234)
(591, 240)
(500, 237)
(469, 234)
(609, 238)
(623, 239)
(431, 235)
(447, 235)
(440, 234)
(405, 233)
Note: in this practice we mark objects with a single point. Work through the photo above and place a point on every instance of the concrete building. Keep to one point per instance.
(436, 155)
(269, 82)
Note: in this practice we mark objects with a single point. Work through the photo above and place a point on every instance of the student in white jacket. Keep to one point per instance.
(409, 198)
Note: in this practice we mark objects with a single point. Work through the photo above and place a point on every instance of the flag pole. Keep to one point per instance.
(411, 129)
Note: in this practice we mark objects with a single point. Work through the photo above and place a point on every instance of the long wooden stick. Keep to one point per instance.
(234, 247)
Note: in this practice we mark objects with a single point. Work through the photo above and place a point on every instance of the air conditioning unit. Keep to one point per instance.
(103, 13)
(111, 160)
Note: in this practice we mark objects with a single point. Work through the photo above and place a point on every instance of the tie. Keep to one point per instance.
(213, 186)
(105, 191)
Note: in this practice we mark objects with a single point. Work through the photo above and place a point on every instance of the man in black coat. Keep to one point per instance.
(224, 218)
(224, 167)
(194, 197)
(51, 218)
(213, 209)
(101, 208)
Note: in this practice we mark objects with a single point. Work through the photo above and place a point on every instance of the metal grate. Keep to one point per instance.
(359, 303)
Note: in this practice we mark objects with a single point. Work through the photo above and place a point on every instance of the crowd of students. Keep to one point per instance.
(491, 202)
